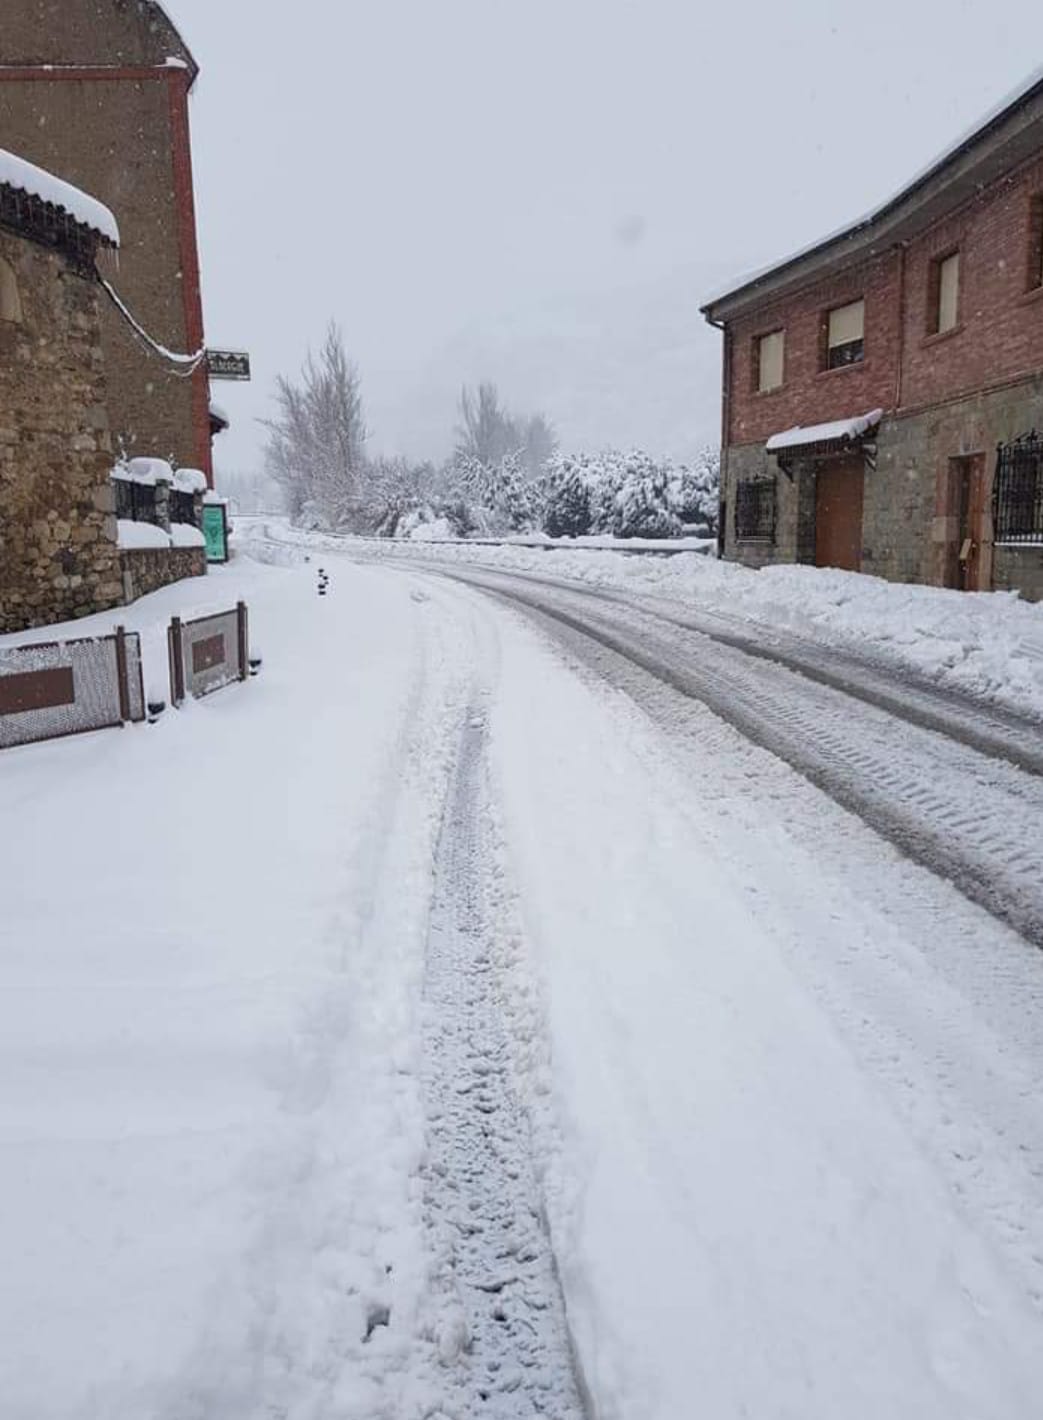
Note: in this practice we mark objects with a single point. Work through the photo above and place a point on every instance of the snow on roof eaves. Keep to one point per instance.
(1009, 102)
(839, 429)
(37, 182)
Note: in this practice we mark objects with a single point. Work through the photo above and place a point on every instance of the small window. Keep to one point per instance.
(755, 510)
(10, 301)
(943, 298)
(770, 353)
(1036, 244)
(845, 330)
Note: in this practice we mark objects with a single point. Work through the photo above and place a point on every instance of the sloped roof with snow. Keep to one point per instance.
(26, 177)
(1011, 131)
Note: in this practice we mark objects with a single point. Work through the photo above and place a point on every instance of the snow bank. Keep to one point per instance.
(136, 537)
(186, 535)
(88, 211)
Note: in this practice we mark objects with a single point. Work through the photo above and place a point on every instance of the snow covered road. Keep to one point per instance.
(588, 1017)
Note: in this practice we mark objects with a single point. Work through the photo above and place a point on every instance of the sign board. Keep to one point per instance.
(228, 364)
(215, 531)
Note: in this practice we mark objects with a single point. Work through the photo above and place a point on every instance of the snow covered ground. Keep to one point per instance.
(329, 1005)
(986, 644)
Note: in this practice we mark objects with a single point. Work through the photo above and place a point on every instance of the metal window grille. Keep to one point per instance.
(135, 501)
(755, 510)
(1018, 491)
(182, 507)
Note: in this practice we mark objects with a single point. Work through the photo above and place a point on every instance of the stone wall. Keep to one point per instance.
(58, 556)
(147, 569)
(905, 527)
(1019, 569)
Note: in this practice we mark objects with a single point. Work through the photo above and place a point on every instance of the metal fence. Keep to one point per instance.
(208, 653)
(69, 687)
(1018, 491)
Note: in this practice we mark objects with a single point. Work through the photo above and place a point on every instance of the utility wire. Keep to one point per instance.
(188, 364)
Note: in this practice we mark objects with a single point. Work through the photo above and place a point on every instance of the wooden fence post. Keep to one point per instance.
(121, 674)
(176, 654)
(244, 640)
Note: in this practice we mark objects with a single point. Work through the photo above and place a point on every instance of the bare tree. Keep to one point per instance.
(489, 433)
(316, 442)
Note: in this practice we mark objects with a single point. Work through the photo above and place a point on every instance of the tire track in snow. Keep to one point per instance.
(507, 1342)
(956, 813)
(991, 730)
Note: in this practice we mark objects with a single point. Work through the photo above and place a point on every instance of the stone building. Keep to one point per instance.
(58, 551)
(98, 90)
(883, 390)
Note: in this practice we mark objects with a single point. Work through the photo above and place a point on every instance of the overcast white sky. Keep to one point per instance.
(543, 190)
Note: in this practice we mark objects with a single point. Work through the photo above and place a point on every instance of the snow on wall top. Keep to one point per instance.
(1008, 102)
(88, 211)
(190, 480)
(824, 433)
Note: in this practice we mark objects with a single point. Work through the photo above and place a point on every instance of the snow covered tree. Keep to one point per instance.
(566, 497)
(695, 493)
(316, 442)
(641, 507)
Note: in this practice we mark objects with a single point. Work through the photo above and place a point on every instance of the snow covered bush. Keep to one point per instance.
(641, 503)
(695, 493)
(566, 497)
(610, 494)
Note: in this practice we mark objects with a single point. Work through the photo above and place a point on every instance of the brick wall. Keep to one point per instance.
(1000, 331)
(810, 395)
(58, 557)
(119, 136)
(999, 338)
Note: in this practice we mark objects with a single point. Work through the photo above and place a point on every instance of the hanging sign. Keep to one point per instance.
(228, 364)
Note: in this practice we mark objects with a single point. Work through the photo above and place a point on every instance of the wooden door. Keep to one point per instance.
(966, 554)
(839, 489)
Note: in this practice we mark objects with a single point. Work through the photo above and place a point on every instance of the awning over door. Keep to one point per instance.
(824, 439)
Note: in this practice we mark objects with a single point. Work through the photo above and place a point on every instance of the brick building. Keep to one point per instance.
(883, 389)
(58, 552)
(98, 91)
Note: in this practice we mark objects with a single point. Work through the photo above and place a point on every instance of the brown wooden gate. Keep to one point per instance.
(839, 489)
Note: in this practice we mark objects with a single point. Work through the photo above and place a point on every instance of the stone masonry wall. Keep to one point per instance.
(147, 569)
(904, 529)
(58, 556)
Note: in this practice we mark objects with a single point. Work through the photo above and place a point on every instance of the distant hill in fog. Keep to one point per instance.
(636, 366)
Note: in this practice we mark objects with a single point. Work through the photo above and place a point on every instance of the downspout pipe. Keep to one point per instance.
(726, 389)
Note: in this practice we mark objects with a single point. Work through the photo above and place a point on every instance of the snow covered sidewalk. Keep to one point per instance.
(211, 952)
